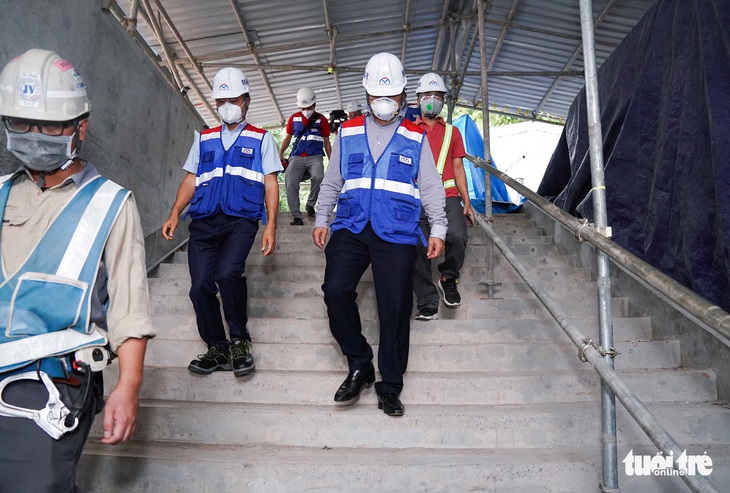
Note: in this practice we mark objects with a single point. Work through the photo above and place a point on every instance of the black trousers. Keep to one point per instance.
(32, 461)
(454, 254)
(217, 252)
(348, 256)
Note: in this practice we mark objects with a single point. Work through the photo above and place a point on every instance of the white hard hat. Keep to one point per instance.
(384, 75)
(40, 85)
(306, 97)
(431, 82)
(228, 83)
(353, 106)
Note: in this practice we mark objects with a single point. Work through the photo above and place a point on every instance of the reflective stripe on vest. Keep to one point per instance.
(229, 181)
(383, 193)
(45, 306)
(442, 156)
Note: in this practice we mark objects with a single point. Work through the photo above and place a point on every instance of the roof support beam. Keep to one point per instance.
(343, 68)
(439, 39)
(161, 39)
(203, 98)
(498, 46)
(256, 61)
(332, 35)
(573, 58)
(198, 68)
(458, 81)
(406, 30)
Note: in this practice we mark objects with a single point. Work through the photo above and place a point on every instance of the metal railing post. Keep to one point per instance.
(487, 154)
(598, 195)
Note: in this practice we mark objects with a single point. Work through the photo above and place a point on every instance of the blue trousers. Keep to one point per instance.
(348, 256)
(217, 252)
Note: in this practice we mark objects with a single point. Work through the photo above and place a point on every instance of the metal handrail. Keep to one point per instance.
(711, 315)
(588, 350)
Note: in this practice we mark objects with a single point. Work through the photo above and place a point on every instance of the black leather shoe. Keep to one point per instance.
(297, 221)
(349, 391)
(310, 211)
(391, 405)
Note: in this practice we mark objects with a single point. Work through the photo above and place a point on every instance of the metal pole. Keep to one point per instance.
(406, 30)
(598, 192)
(161, 38)
(487, 154)
(588, 352)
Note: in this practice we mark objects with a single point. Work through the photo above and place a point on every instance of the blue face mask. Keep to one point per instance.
(40, 152)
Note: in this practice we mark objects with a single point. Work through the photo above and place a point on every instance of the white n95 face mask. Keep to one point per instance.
(230, 113)
(40, 152)
(384, 108)
(307, 113)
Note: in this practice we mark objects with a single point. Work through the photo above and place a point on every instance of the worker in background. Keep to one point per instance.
(311, 132)
(230, 185)
(354, 109)
(448, 151)
(73, 285)
(382, 172)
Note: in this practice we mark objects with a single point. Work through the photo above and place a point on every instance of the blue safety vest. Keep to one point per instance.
(385, 192)
(45, 307)
(229, 181)
(312, 142)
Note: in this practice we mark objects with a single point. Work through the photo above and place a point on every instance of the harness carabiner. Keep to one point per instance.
(51, 418)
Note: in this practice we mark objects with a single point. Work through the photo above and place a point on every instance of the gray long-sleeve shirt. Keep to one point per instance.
(430, 185)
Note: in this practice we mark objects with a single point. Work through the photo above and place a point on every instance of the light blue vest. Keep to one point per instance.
(45, 306)
(383, 192)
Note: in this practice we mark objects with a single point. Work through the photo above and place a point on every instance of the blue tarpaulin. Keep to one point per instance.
(474, 145)
(665, 116)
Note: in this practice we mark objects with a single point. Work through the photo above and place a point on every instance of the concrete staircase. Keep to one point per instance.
(496, 398)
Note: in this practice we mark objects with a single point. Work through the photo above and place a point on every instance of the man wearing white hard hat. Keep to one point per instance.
(230, 184)
(354, 109)
(311, 133)
(73, 285)
(382, 171)
(448, 150)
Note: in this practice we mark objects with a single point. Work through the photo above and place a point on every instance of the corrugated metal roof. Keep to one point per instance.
(292, 43)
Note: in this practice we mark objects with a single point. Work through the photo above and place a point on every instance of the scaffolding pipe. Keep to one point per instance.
(487, 154)
(161, 39)
(256, 61)
(198, 68)
(345, 68)
(588, 352)
(598, 195)
(203, 99)
(406, 30)
(440, 37)
(681, 297)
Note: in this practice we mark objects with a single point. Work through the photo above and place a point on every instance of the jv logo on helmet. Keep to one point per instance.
(384, 81)
(223, 87)
(29, 89)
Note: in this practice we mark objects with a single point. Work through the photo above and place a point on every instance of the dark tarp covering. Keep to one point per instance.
(665, 116)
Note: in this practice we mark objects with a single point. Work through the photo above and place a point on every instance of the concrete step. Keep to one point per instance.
(470, 290)
(571, 275)
(183, 327)
(312, 307)
(180, 467)
(147, 466)
(492, 357)
(450, 426)
(472, 388)
(306, 257)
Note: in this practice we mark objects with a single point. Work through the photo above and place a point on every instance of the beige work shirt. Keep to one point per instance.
(28, 215)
